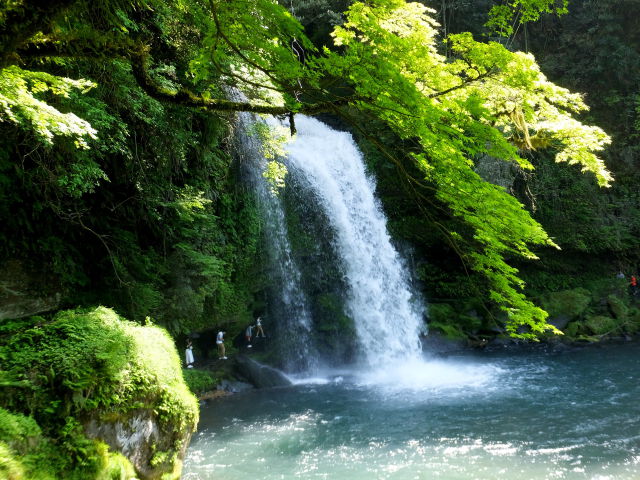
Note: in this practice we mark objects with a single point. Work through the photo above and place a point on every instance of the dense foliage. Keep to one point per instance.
(593, 49)
(121, 199)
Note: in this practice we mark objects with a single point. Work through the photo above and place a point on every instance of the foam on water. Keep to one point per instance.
(415, 377)
(304, 380)
(419, 375)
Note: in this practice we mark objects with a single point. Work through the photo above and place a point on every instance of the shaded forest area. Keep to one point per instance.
(149, 218)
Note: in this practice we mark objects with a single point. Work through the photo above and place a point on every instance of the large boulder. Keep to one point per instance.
(101, 386)
(566, 305)
(153, 449)
(259, 375)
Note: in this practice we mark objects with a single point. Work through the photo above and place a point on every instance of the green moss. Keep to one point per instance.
(17, 429)
(89, 364)
(199, 381)
(588, 338)
(117, 467)
(334, 319)
(569, 303)
(11, 467)
(601, 325)
(451, 322)
(441, 313)
(452, 332)
(617, 307)
(469, 322)
(633, 323)
(572, 329)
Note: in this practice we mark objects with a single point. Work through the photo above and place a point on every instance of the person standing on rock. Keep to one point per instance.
(188, 353)
(248, 333)
(220, 345)
(259, 328)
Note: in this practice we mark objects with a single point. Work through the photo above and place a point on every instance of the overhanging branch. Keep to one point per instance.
(23, 21)
(139, 58)
(185, 97)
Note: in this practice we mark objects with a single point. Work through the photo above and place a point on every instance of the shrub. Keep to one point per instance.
(199, 381)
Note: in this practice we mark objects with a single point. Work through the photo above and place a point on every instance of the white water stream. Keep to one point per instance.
(387, 317)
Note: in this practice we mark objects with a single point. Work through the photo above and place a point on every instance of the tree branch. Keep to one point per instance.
(139, 58)
(185, 97)
(463, 84)
(22, 22)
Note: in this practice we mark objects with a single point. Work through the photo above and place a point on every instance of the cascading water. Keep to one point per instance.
(288, 303)
(387, 319)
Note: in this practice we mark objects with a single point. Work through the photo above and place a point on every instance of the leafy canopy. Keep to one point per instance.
(19, 104)
(485, 101)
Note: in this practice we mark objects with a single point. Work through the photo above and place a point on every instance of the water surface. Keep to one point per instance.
(570, 415)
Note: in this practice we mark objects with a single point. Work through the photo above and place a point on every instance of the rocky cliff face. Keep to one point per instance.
(154, 450)
(23, 293)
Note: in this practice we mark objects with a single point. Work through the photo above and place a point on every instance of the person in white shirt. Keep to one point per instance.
(259, 328)
(220, 344)
(188, 353)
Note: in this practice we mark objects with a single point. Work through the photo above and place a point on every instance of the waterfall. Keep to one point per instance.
(287, 303)
(379, 298)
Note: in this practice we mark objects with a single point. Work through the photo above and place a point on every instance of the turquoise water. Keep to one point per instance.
(570, 415)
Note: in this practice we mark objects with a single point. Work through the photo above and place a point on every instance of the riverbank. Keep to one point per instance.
(232, 377)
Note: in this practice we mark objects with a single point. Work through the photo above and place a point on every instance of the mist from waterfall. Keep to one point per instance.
(386, 313)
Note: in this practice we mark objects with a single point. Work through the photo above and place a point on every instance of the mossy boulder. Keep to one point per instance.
(441, 313)
(601, 325)
(453, 324)
(99, 386)
(442, 319)
(632, 325)
(617, 307)
(566, 305)
(573, 329)
(259, 375)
